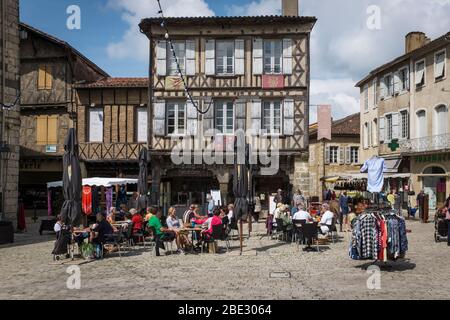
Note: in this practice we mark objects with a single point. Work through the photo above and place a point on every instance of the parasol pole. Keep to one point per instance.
(241, 230)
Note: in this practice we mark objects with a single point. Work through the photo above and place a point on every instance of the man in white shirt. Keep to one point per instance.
(230, 212)
(327, 219)
(302, 214)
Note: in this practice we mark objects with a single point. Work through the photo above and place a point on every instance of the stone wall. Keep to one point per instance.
(12, 117)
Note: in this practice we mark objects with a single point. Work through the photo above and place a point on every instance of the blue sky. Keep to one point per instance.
(343, 49)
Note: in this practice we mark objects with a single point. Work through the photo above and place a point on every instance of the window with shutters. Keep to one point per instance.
(46, 130)
(176, 118)
(374, 93)
(389, 127)
(142, 125)
(366, 135)
(272, 117)
(389, 84)
(375, 133)
(354, 155)
(179, 48)
(403, 75)
(422, 130)
(420, 73)
(366, 97)
(404, 124)
(45, 77)
(439, 65)
(273, 56)
(225, 57)
(96, 119)
(224, 117)
(441, 120)
(334, 154)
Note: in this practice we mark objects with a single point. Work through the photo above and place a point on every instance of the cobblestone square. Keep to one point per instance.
(268, 270)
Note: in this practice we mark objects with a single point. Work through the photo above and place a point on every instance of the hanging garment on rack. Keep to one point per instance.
(378, 236)
(121, 197)
(86, 200)
(375, 167)
(95, 200)
(109, 199)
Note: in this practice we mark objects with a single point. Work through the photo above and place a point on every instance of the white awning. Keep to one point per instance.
(350, 176)
(99, 182)
(392, 165)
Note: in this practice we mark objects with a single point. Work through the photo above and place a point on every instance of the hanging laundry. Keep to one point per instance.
(86, 200)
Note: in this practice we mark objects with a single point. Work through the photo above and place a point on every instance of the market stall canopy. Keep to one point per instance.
(354, 176)
(99, 182)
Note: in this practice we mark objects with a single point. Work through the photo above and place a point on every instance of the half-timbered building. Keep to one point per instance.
(246, 73)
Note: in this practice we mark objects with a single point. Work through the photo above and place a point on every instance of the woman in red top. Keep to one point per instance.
(211, 222)
(137, 220)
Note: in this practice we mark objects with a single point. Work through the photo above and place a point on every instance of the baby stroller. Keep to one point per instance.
(440, 227)
(63, 241)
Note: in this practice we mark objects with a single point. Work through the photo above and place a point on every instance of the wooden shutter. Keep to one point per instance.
(208, 119)
(41, 130)
(439, 67)
(190, 58)
(341, 155)
(192, 118)
(239, 57)
(142, 125)
(257, 56)
(41, 77)
(52, 130)
(240, 113)
(287, 56)
(256, 117)
(420, 73)
(348, 155)
(383, 88)
(288, 113)
(395, 126)
(159, 118)
(96, 125)
(161, 58)
(381, 127)
(210, 56)
(396, 82)
(49, 77)
(327, 154)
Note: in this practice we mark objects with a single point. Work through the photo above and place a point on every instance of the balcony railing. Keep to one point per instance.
(426, 144)
(110, 151)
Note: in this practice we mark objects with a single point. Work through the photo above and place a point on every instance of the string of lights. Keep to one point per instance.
(179, 70)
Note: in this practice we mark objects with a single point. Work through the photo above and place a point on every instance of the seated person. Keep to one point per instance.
(209, 223)
(137, 220)
(120, 215)
(111, 218)
(302, 214)
(173, 224)
(285, 216)
(326, 220)
(100, 230)
(191, 213)
(151, 211)
(161, 233)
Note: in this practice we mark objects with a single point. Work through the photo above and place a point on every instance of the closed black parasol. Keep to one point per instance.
(143, 179)
(71, 209)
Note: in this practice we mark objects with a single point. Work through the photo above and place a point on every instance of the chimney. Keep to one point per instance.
(415, 40)
(290, 8)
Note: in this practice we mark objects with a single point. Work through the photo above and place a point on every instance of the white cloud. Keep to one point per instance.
(133, 44)
(255, 8)
(339, 93)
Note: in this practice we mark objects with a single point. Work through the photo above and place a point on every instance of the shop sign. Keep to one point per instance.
(51, 149)
(434, 158)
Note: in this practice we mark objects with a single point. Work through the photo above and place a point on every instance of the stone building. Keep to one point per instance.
(338, 157)
(49, 69)
(246, 73)
(10, 120)
(408, 99)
